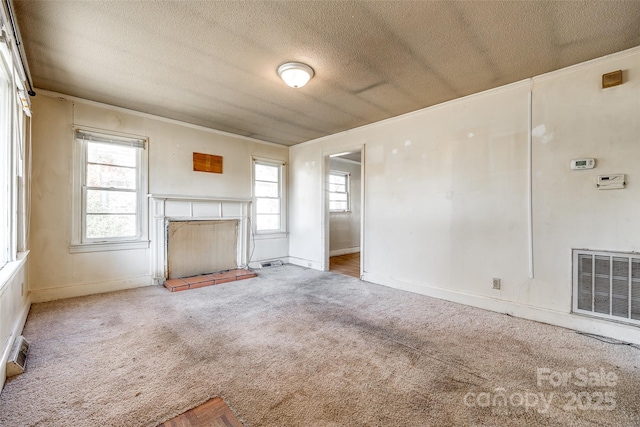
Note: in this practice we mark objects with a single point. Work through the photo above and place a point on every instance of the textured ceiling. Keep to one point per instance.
(213, 63)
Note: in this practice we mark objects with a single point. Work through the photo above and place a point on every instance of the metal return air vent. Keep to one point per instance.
(607, 285)
(18, 357)
(275, 263)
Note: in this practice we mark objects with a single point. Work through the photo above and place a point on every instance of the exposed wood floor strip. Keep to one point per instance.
(348, 264)
(212, 413)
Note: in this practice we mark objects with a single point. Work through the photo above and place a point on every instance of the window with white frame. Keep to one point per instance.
(268, 196)
(6, 174)
(339, 191)
(111, 189)
(14, 173)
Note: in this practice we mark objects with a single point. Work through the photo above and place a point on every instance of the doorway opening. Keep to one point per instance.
(344, 213)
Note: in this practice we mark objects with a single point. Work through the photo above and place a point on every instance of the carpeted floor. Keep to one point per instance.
(298, 347)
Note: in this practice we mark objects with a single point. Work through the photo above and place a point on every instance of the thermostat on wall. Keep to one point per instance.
(583, 164)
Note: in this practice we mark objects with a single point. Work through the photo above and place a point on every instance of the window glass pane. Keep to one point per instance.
(338, 206)
(267, 222)
(337, 179)
(337, 188)
(109, 226)
(267, 189)
(266, 173)
(267, 206)
(112, 200)
(111, 176)
(5, 163)
(111, 154)
(268, 196)
(105, 201)
(338, 192)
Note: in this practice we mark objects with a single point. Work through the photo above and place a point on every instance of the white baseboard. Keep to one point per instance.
(51, 294)
(16, 332)
(618, 331)
(316, 265)
(344, 251)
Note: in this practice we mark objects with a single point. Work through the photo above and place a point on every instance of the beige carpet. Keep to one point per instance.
(297, 347)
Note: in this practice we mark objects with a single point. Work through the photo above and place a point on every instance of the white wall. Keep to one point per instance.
(56, 273)
(14, 307)
(446, 192)
(344, 233)
(574, 118)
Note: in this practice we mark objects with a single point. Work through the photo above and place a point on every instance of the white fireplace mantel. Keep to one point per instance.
(173, 207)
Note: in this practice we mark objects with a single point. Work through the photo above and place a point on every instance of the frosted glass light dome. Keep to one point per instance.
(295, 74)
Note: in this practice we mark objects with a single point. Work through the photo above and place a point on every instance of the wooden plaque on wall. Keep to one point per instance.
(611, 79)
(207, 163)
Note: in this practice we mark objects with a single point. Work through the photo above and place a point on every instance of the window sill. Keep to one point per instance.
(272, 235)
(340, 212)
(76, 248)
(11, 268)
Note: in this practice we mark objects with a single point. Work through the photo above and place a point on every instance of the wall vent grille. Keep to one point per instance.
(18, 357)
(265, 264)
(607, 285)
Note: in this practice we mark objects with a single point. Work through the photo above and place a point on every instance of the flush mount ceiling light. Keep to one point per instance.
(295, 74)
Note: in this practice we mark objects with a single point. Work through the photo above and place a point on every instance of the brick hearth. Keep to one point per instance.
(175, 285)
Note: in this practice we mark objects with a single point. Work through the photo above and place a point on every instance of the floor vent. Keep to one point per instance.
(275, 263)
(18, 357)
(607, 285)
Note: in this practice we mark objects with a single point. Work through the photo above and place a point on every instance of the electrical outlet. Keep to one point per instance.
(22, 289)
(496, 283)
